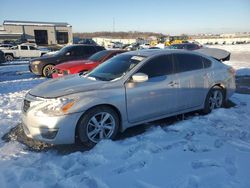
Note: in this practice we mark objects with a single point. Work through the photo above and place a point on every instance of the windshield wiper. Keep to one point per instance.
(98, 78)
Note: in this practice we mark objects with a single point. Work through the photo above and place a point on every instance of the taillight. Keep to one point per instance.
(232, 71)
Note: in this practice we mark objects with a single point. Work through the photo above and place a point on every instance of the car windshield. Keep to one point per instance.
(64, 50)
(115, 67)
(98, 56)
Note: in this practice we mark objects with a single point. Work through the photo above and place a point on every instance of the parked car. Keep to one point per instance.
(87, 41)
(145, 46)
(81, 66)
(185, 46)
(5, 46)
(115, 45)
(127, 90)
(45, 65)
(132, 47)
(2, 58)
(22, 51)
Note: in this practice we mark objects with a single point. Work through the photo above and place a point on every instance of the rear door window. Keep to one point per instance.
(158, 66)
(32, 48)
(24, 47)
(78, 51)
(206, 62)
(191, 47)
(99, 48)
(88, 50)
(187, 62)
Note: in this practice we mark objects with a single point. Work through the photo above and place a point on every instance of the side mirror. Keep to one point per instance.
(67, 54)
(140, 77)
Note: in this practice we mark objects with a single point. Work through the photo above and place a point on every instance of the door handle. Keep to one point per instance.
(205, 75)
(172, 83)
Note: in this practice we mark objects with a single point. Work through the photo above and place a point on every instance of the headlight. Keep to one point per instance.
(55, 107)
(35, 62)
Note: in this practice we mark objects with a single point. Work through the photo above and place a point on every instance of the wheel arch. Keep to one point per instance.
(113, 107)
(222, 86)
(9, 53)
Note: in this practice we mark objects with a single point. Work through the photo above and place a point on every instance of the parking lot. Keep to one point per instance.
(191, 151)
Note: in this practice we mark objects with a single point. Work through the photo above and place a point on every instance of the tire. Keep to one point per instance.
(48, 70)
(9, 57)
(91, 129)
(215, 99)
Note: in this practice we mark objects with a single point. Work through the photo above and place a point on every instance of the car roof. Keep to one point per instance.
(183, 44)
(154, 52)
(73, 45)
(114, 50)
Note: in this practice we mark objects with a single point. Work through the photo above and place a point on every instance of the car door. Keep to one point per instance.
(73, 53)
(191, 80)
(24, 51)
(155, 97)
(88, 51)
(34, 52)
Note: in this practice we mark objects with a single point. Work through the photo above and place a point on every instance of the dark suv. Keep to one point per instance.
(45, 65)
(2, 58)
(185, 46)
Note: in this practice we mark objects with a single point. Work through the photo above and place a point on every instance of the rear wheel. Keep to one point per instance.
(97, 124)
(9, 57)
(215, 99)
(48, 70)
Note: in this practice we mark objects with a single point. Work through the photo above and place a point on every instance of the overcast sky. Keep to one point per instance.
(166, 16)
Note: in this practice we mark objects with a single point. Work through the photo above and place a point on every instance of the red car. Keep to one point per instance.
(80, 66)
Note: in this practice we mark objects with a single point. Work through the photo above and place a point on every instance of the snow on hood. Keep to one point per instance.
(44, 58)
(65, 86)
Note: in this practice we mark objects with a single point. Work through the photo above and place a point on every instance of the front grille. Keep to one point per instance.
(26, 105)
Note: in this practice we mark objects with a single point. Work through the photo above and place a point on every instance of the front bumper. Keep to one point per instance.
(52, 130)
(34, 69)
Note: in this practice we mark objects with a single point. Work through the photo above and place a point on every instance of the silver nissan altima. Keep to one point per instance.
(127, 90)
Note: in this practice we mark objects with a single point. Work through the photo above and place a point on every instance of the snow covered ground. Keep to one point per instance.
(201, 151)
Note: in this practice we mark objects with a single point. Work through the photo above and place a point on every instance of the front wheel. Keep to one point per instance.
(48, 70)
(97, 124)
(215, 99)
(9, 57)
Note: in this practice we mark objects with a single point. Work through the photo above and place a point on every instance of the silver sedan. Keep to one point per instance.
(127, 90)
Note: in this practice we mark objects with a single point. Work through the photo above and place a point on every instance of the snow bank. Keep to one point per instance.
(239, 48)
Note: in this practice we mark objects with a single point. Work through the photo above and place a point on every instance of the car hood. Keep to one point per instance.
(46, 58)
(70, 64)
(66, 85)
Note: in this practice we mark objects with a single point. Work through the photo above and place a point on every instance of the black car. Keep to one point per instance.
(185, 46)
(2, 58)
(45, 65)
(87, 41)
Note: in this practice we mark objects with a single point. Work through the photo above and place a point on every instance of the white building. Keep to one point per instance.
(45, 33)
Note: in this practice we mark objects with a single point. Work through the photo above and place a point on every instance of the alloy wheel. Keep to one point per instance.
(9, 58)
(100, 126)
(215, 99)
(49, 70)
